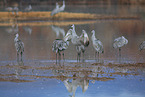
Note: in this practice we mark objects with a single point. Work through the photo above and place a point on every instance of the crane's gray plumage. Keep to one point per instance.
(142, 46)
(80, 49)
(10, 9)
(55, 11)
(62, 7)
(68, 35)
(58, 9)
(83, 39)
(59, 45)
(97, 44)
(16, 9)
(119, 42)
(80, 42)
(19, 45)
(29, 8)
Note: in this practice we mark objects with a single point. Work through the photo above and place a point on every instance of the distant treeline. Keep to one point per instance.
(71, 2)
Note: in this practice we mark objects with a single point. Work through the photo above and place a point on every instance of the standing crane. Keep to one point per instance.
(58, 9)
(120, 42)
(19, 45)
(80, 42)
(10, 9)
(28, 9)
(97, 44)
(16, 10)
(142, 46)
(58, 46)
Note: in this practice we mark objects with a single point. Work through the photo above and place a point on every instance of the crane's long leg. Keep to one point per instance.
(83, 57)
(59, 57)
(95, 54)
(9, 14)
(56, 58)
(21, 55)
(17, 56)
(119, 54)
(78, 57)
(63, 55)
(98, 56)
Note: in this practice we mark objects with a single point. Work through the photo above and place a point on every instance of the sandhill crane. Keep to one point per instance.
(58, 9)
(62, 7)
(68, 35)
(84, 38)
(29, 8)
(120, 42)
(16, 9)
(10, 9)
(142, 46)
(55, 10)
(80, 42)
(19, 45)
(79, 49)
(58, 46)
(97, 44)
(58, 31)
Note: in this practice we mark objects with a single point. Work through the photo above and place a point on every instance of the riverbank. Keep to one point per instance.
(38, 16)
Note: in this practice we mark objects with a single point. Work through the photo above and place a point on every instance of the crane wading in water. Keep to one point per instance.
(58, 46)
(28, 9)
(120, 42)
(16, 10)
(19, 45)
(10, 9)
(58, 9)
(142, 46)
(97, 44)
(80, 42)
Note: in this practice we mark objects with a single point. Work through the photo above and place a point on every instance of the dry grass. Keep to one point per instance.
(60, 23)
(23, 16)
(139, 65)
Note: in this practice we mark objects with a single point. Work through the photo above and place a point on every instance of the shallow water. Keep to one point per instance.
(38, 73)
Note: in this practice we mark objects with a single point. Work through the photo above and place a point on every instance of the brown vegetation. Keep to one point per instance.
(23, 16)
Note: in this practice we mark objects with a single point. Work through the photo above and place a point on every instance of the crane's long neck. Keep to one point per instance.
(16, 39)
(74, 32)
(93, 36)
(63, 4)
(57, 6)
(30, 7)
